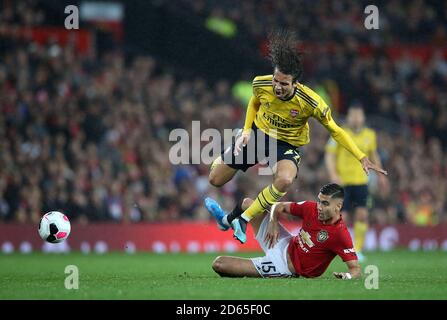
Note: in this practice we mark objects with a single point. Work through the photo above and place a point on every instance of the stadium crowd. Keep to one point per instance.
(90, 135)
(400, 21)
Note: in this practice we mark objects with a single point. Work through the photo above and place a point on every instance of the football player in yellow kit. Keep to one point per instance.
(279, 110)
(344, 169)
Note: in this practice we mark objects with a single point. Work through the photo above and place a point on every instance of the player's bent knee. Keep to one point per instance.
(215, 180)
(282, 183)
(219, 265)
(361, 214)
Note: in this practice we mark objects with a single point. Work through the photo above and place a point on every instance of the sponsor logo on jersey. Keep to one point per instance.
(305, 237)
(350, 250)
(293, 113)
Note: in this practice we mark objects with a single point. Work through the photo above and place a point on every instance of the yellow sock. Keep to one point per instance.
(360, 229)
(264, 201)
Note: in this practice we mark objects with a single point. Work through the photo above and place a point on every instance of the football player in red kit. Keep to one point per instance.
(323, 236)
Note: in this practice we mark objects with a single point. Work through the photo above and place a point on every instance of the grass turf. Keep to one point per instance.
(403, 275)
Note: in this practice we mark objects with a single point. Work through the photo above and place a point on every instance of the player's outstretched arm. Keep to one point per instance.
(354, 271)
(272, 234)
(346, 141)
(367, 165)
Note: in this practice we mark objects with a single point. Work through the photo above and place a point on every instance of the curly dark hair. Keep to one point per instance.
(284, 53)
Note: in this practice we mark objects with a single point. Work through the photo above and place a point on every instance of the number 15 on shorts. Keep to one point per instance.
(268, 269)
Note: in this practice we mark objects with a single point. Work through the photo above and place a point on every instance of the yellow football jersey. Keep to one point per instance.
(348, 167)
(288, 118)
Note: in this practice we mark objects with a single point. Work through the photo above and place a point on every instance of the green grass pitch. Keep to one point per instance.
(402, 275)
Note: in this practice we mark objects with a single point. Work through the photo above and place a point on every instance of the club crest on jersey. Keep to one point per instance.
(293, 113)
(322, 236)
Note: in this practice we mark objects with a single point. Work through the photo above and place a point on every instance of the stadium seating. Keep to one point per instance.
(89, 134)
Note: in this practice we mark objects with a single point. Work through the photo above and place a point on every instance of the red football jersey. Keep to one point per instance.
(313, 249)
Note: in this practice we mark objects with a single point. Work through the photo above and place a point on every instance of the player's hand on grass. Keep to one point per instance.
(241, 142)
(342, 275)
(367, 164)
(272, 234)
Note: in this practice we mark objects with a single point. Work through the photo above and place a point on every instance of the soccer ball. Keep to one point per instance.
(54, 227)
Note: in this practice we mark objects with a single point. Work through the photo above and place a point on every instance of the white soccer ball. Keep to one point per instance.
(54, 227)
